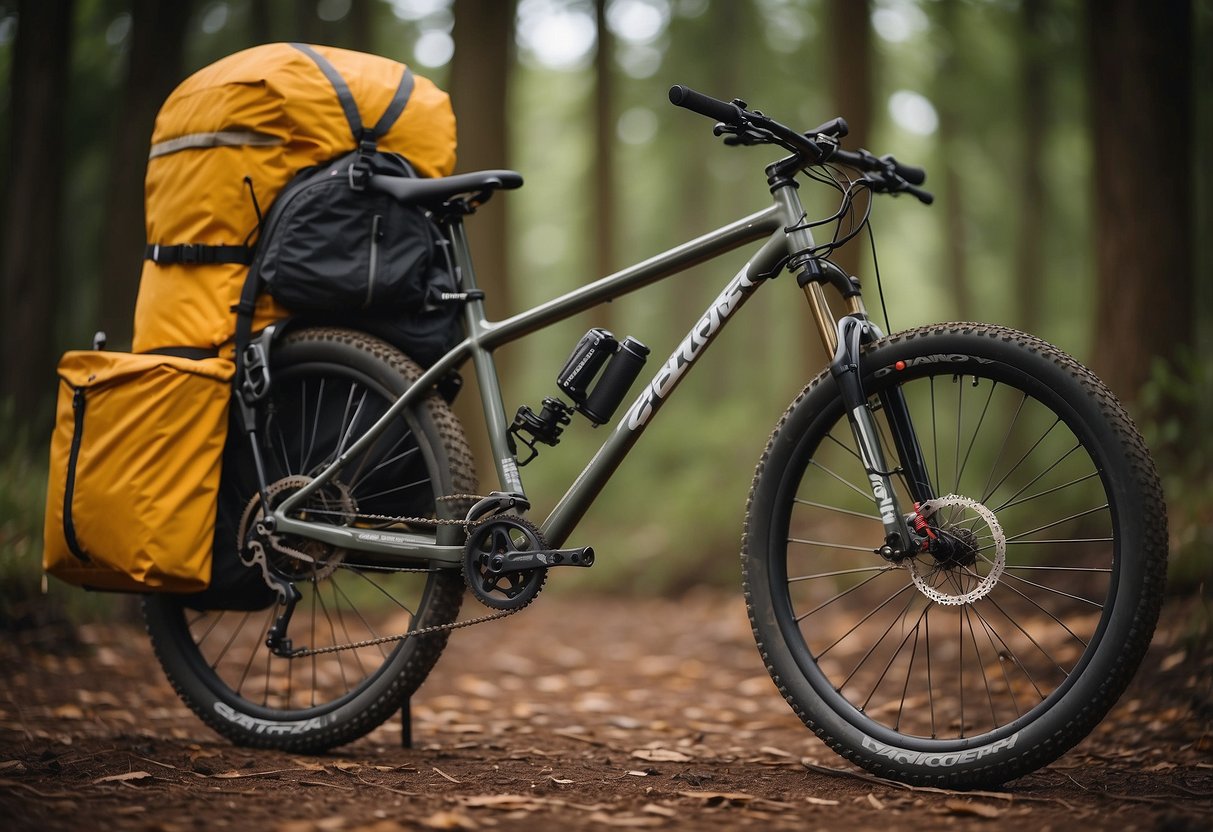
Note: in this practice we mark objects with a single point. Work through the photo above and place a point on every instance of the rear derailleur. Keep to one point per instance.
(506, 559)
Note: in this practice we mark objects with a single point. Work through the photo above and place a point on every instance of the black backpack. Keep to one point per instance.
(334, 252)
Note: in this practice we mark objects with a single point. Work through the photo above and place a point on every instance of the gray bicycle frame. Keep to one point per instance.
(780, 224)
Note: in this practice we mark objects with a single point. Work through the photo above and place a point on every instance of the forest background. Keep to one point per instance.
(1066, 141)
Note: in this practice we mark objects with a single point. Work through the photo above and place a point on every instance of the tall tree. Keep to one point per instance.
(850, 43)
(957, 248)
(604, 137)
(1034, 118)
(154, 68)
(1140, 81)
(484, 37)
(30, 262)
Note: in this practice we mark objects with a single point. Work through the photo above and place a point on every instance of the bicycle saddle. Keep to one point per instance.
(478, 185)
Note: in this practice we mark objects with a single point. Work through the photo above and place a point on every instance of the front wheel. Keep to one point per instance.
(989, 655)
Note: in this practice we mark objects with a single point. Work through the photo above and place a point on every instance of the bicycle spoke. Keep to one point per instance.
(847, 546)
(1026, 634)
(387, 491)
(1057, 522)
(859, 624)
(867, 495)
(1007, 648)
(371, 631)
(981, 666)
(1003, 446)
(986, 497)
(842, 572)
(981, 419)
(842, 594)
(836, 509)
(893, 657)
(1041, 475)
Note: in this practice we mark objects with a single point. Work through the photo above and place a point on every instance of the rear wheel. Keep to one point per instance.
(1002, 646)
(329, 386)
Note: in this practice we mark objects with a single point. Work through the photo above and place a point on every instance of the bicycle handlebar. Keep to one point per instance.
(705, 105)
(887, 175)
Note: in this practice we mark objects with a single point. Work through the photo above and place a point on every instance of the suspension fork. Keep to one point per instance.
(852, 332)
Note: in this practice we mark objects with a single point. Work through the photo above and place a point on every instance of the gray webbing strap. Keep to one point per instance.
(399, 100)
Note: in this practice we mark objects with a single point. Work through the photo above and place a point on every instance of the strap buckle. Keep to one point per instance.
(188, 253)
(255, 381)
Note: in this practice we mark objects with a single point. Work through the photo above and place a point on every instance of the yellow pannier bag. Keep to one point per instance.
(134, 470)
(226, 142)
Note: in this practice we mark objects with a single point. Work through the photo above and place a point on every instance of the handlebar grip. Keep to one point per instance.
(910, 173)
(705, 105)
(836, 127)
(925, 197)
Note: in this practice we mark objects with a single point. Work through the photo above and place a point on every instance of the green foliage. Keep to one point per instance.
(26, 594)
(1178, 412)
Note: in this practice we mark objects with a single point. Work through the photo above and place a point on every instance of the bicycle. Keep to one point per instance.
(899, 587)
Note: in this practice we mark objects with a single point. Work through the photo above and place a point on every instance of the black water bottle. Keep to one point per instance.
(617, 377)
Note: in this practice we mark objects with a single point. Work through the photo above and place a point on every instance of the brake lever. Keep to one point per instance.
(888, 182)
(737, 136)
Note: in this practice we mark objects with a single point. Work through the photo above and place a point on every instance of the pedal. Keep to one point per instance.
(498, 564)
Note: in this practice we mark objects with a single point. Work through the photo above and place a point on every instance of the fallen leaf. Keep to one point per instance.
(449, 820)
(123, 778)
(661, 755)
(625, 821)
(635, 773)
(68, 712)
(876, 804)
(774, 752)
(964, 807)
(1172, 661)
(12, 767)
(820, 801)
(560, 782)
(655, 809)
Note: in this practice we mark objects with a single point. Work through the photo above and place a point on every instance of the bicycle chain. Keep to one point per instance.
(424, 631)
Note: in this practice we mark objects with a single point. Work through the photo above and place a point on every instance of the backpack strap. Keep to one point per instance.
(197, 253)
(365, 140)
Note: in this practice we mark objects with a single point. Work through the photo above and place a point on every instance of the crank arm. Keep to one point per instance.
(522, 561)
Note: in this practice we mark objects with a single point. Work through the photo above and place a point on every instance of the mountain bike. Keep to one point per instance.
(954, 546)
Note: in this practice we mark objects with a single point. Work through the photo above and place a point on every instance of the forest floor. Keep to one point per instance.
(581, 713)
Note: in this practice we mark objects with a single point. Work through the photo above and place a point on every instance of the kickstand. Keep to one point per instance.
(406, 724)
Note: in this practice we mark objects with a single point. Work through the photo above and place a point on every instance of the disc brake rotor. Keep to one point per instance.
(973, 528)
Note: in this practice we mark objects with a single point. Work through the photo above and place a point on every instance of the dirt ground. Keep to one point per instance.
(581, 713)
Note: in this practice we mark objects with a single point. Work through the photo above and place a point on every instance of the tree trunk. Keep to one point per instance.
(604, 156)
(1140, 80)
(362, 25)
(29, 265)
(484, 32)
(850, 37)
(1033, 84)
(154, 68)
(480, 70)
(957, 248)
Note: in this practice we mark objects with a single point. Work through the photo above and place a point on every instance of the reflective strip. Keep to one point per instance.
(221, 138)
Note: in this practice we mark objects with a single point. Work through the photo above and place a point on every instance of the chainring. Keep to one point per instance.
(494, 541)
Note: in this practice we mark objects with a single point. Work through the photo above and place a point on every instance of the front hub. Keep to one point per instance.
(967, 555)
